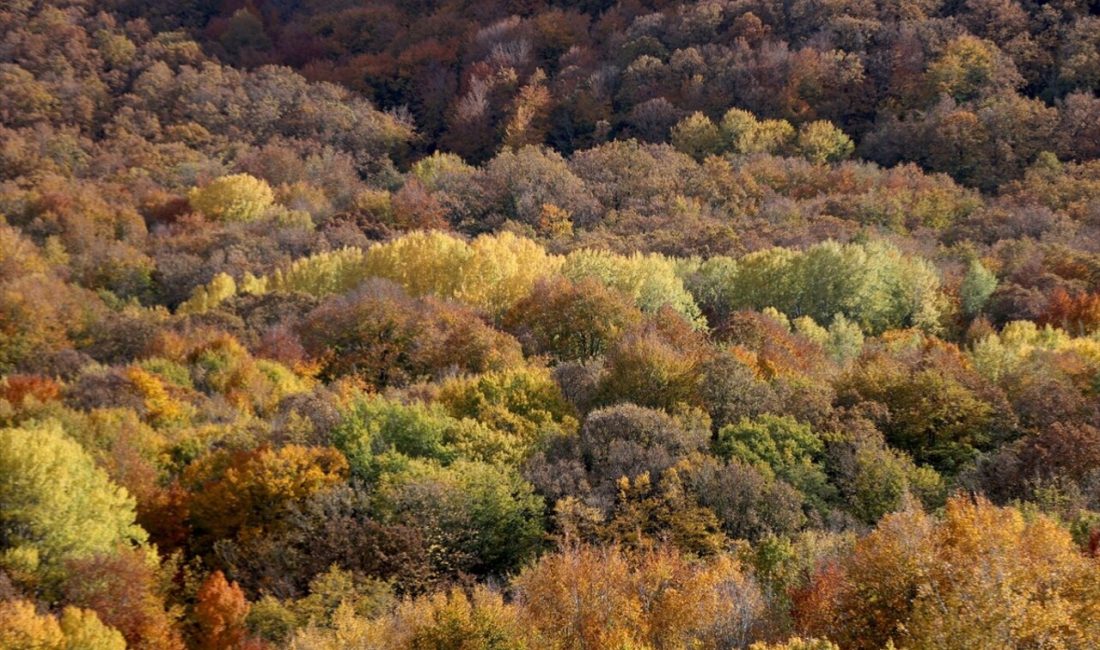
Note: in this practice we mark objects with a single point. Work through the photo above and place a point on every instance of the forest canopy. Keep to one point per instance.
(648, 324)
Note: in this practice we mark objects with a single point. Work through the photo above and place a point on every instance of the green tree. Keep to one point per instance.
(977, 286)
(873, 284)
(651, 280)
(373, 425)
(481, 518)
(780, 446)
(523, 402)
(744, 134)
(58, 506)
(970, 67)
(820, 142)
(697, 136)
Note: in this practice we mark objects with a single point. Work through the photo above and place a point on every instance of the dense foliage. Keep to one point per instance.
(504, 325)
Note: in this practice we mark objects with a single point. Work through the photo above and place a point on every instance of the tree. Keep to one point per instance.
(318, 275)
(780, 446)
(731, 389)
(84, 631)
(502, 270)
(1062, 455)
(325, 550)
(697, 136)
(977, 286)
(877, 479)
(524, 402)
(220, 613)
(822, 142)
(239, 197)
(922, 582)
(372, 426)
(797, 643)
(438, 621)
(58, 506)
(247, 493)
(516, 184)
(651, 280)
(37, 315)
(414, 208)
(491, 273)
(749, 504)
(646, 515)
(745, 134)
(529, 121)
(623, 440)
(940, 411)
(126, 591)
(205, 298)
(571, 320)
(591, 597)
(23, 628)
(482, 519)
(970, 67)
(844, 339)
(873, 284)
(387, 338)
(648, 369)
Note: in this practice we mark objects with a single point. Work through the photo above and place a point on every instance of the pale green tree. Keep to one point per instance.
(977, 286)
(651, 280)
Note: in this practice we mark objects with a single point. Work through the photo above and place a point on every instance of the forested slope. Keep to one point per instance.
(332, 324)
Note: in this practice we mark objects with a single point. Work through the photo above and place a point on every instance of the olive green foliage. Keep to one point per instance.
(780, 446)
(238, 197)
(373, 426)
(697, 136)
(485, 518)
(745, 134)
(821, 142)
(523, 402)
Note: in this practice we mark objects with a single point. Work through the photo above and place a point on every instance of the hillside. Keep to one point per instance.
(335, 324)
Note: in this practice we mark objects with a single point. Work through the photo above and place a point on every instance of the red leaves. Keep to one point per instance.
(17, 388)
(1077, 314)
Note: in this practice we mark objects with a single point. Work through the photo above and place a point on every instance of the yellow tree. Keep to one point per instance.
(502, 270)
(238, 197)
(592, 598)
(23, 628)
(57, 505)
(982, 577)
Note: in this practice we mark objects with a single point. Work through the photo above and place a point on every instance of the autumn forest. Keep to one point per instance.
(550, 324)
